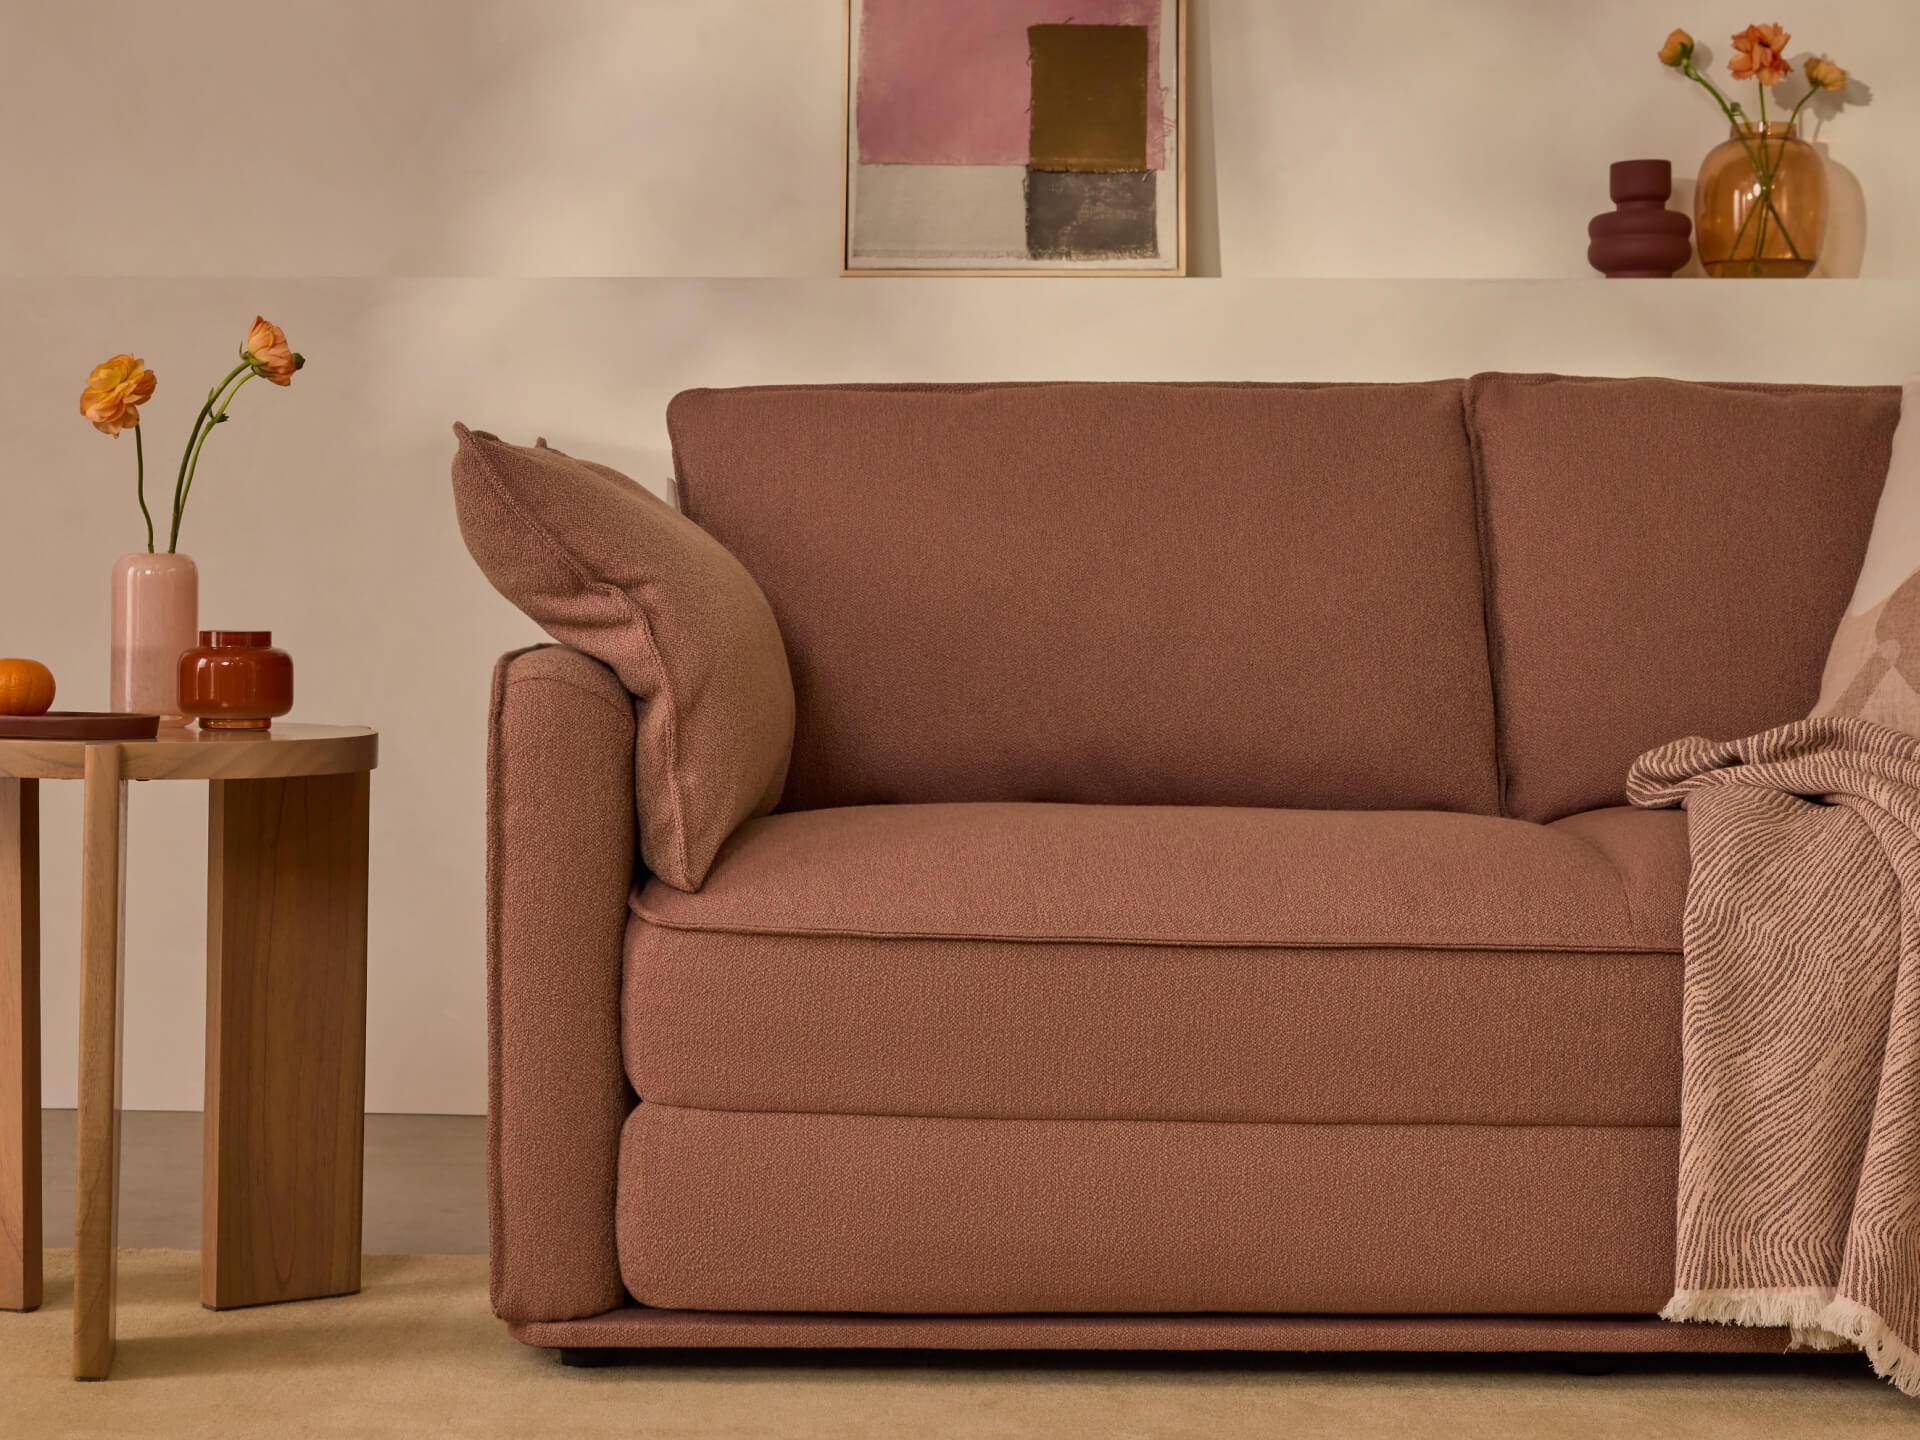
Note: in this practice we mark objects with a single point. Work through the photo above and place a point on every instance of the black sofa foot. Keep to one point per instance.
(588, 1357)
(1578, 1363)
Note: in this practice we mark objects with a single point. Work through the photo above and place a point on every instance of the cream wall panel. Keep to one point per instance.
(1372, 138)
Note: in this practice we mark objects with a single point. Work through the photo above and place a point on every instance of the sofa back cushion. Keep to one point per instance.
(1664, 559)
(1112, 593)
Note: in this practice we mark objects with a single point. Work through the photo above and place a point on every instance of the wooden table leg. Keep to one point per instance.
(19, 1045)
(286, 1039)
(103, 848)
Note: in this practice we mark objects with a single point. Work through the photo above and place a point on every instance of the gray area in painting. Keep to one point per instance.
(957, 212)
(1092, 215)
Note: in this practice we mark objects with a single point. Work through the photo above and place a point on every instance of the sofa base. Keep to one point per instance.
(639, 1328)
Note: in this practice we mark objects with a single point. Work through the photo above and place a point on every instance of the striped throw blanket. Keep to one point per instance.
(1800, 1102)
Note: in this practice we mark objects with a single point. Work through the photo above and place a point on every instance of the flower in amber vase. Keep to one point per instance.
(1678, 47)
(1825, 75)
(115, 392)
(269, 354)
(1757, 55)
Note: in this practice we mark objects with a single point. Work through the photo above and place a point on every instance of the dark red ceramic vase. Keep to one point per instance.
(1640, 238)
(236, 680)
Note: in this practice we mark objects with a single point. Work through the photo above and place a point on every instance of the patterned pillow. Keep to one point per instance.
(1873, 669)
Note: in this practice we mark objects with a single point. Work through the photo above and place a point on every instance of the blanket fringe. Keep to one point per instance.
(1796, 1307)
(1892, 1359)
(1819, 1318)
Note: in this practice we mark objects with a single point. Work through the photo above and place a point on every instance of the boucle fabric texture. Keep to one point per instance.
(604, 566)
(1206, 963)
(1235, 1034)
(1663, 558)
(1873, 669)
(1195, 875)
(1112, 593)
(560, 850)
(727, 1210)
(1800, 1098)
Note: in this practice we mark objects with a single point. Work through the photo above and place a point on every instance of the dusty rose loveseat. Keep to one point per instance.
(1200, 910)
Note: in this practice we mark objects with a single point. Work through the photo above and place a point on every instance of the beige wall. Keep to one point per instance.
(690, 149)
(702, 137)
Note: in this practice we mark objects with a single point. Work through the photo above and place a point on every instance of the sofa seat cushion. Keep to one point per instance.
(896, 1214)
(1058, 962)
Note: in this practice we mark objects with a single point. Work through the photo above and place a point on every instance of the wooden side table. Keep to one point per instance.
(286, 1013)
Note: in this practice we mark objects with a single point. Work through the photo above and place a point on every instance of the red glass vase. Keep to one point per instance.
(236, 680)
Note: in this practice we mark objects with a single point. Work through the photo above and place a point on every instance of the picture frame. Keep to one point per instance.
(1055, 170)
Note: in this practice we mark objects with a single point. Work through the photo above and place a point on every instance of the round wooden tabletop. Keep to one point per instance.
(189, 753)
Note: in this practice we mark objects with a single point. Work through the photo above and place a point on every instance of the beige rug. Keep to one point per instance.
(418, 1355)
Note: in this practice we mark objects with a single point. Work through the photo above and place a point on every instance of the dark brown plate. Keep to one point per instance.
(79, 725)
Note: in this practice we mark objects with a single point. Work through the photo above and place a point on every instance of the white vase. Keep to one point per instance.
(156, 618)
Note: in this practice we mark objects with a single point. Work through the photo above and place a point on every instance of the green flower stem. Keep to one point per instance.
(1728, 108)
(206, 430)
(140, 483)
(1741, 233)
(1767, 177)
(195, 438)
(1760, 235)
(1794, 119)
(1764, 173)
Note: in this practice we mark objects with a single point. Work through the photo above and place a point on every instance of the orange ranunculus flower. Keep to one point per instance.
(272, 357)
(1824, 74)
(1757, 55)
(1678, 47)
(115, 392)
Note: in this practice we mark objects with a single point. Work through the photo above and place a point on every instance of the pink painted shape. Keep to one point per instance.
(945, 82)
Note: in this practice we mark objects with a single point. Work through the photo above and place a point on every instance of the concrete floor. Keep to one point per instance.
(425, 1188)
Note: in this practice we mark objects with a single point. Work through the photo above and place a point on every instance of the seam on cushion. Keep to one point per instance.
(634, 613)
(975, 387)
(1179, 943)
(658, 1105)
(1619, 875)
(673, 742)
(1753, 387)
(1483, 533)
(577, 688)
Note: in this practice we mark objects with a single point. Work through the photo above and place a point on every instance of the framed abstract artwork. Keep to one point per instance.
(1016, 137)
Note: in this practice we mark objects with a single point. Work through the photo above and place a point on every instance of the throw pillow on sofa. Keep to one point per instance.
(1873, 669)
(606, 567)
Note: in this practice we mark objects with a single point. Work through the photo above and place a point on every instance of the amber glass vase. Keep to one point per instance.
(1760, 207)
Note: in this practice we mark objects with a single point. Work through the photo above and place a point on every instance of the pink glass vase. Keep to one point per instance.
(156, 620)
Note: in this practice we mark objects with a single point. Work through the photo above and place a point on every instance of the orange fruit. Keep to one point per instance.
(26, 687)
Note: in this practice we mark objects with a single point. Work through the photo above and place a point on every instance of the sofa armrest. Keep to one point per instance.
(560, 864)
